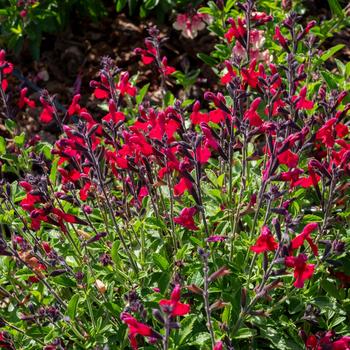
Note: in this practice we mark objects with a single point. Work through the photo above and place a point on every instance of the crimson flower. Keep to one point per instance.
(252, 115)
(23, 100)
(167, 70)
(113, 114)
(218, 346)
(250, 76)
(265, 242)
(226, 78)
(185, 218)
(305, 236)
(135, 328)
(278, 36)
(196, 116)
(288, 158)
(301, 101)
(6, 68)
(302, 270)
(202, 154)
(325, 341)
(183, 185)
(74, 107)
(46, 115)
(149, 54)
(124, 85)
(173, 306)
(237, 31)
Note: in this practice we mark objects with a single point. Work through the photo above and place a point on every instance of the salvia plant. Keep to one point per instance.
(219, 223)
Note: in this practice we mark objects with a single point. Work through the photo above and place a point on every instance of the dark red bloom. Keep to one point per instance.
(196, 116)
(298, 241)
(23, 100)
(167, 70)
(252, 115)
(135, 328)
(124, 85)
(218, 346)
(183, 185)
(265, 242)
(288, 158)
(173, 306)
(226, 78)
(148, 55)
(302, 270)
(237, 31)
(278, 36)
(202, 154)
(301, 101)
(185, 218)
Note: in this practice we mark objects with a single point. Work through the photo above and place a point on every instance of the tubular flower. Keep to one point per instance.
(185, 218)
(305, 236)
(135, 328)
(173, 306)
(302, 270)
(265, 242)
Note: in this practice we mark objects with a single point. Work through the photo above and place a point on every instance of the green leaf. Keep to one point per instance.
(2, 145)
(244, 333)
(312, 218)
(331, 289)
(53, 172)
(210, 61)
(160, 261)
(336, 8)
(19, 139)
(120, 5)
(140, 96)
(330, 79)
(186, 328)
(10, 125)
(114, 252)
(330, 52)
(72, 306)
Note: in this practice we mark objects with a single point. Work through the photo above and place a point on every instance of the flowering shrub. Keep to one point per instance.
(212, 224)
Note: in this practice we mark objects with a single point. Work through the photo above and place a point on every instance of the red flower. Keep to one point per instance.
(135, 328)
(302, 270)
(183, 185)
(278, 36)
(202, 154)
(7, 66)
(238, 32)
(167, 70)
(218, 346)
(226, 78)
(196, 116)
(265, 242)
(252, 115)
(301, 101)
(148, 55)
(249, 75)
(124, 85)
(46, 115)
(298, 241)
(185, 218)
(74, 107)
(113, 115)
(23, 100)
(288, 158)
(173, 305)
